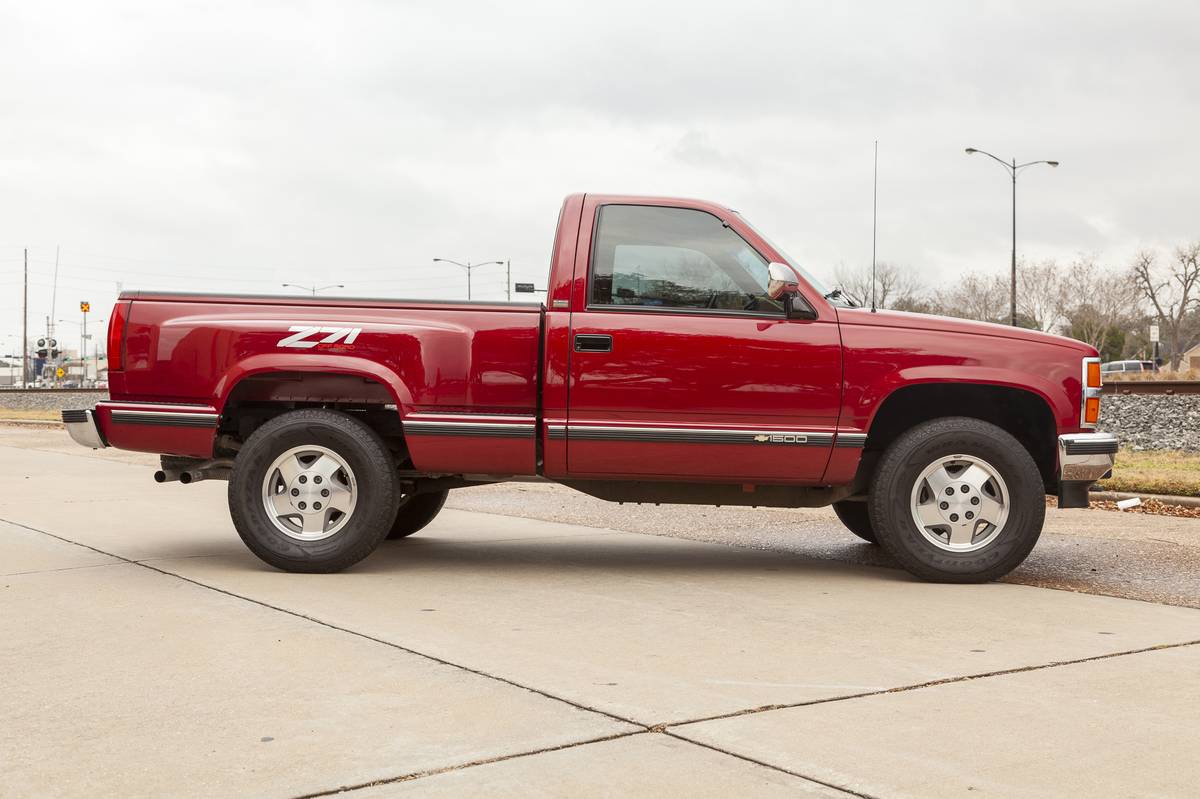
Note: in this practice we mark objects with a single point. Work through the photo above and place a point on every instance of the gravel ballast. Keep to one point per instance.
(1153, 421)
(49, 400)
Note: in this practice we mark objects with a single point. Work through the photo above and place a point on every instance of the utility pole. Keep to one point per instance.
(54, 290)
(508, 281)
(25, 326)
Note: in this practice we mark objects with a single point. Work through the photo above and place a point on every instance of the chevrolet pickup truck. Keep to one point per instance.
(680, 357)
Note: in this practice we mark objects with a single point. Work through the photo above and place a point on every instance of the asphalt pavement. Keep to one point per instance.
(533, 642)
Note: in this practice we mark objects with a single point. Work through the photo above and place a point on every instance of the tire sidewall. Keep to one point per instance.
(374, 505)
(891, 500)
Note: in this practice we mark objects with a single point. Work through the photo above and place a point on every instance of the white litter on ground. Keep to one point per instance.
(1126, 504)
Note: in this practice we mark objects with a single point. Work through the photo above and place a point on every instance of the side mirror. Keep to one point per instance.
(782, 283)
(781, 280)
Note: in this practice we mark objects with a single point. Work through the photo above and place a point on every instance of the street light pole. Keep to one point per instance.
(1013, 168)
(313, 289)
(469, 267)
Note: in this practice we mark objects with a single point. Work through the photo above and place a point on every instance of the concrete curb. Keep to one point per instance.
(1166, 499)
(32, 422)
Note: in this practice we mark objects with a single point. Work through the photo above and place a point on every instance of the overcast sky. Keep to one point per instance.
(235, 146)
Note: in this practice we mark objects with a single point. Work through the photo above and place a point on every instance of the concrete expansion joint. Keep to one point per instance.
(416, 775)
(772, 766)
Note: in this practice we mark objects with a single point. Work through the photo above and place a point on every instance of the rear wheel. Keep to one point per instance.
(313, 491)
(416, 511)
(957, 500)
(857, 519)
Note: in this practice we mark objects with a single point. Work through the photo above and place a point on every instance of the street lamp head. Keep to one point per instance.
(971, 150)
(1052, 163)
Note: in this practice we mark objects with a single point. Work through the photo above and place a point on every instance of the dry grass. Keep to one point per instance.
(28, 415)
(1156, 472)
(1163, 374)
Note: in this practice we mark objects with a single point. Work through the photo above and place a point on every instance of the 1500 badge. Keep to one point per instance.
(304, 336)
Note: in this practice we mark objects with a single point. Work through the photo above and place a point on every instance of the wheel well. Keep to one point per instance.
(1022, 413)
(258, 398)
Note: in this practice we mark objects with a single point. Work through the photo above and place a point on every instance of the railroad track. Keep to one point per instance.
(1152, 387)
(5, 391)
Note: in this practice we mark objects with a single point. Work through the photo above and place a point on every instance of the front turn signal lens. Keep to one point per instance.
(1091, 410)
(1093, 374)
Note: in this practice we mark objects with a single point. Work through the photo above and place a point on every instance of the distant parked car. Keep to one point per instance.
(1127, 366)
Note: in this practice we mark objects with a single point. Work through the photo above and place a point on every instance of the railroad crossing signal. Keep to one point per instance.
(85, 306)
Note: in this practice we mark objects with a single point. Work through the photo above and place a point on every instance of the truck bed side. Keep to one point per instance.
(461, 378)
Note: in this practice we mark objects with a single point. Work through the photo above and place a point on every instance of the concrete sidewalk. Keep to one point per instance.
(148, 653)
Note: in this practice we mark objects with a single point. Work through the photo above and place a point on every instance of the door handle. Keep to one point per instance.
(593, 343)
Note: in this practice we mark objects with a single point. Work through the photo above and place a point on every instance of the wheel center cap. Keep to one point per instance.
(307, 496)
(955, 504)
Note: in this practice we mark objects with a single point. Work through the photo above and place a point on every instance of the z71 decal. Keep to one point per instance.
(304, 336)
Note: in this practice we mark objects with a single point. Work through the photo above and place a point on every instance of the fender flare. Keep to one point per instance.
(313, 363)
(1054, 396)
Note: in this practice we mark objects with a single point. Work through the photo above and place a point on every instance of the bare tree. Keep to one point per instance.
(1041, 295)
(1172, 298)
(895, 287)
(981, 297)
(1098, 304)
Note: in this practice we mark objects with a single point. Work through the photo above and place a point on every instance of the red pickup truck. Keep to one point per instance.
(680, 357)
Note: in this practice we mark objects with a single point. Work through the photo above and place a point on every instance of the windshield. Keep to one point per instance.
(834, 295)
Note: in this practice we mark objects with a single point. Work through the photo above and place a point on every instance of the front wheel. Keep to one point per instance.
(957, 500)
(313, 491)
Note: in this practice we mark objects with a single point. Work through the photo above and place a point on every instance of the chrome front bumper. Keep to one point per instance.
(82, 427)
(1085, 457)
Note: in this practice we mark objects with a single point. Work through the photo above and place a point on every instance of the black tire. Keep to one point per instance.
(416, 511)
(857, 518)
(376, 485)
(890, 501)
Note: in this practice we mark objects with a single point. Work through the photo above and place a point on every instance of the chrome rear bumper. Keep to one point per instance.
(82, 427)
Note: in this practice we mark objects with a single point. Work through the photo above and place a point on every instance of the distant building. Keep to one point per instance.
(1191, 359)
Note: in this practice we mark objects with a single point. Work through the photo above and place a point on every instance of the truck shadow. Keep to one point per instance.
(618, 552)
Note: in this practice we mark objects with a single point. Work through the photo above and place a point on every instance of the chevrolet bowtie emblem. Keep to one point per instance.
(762, 439)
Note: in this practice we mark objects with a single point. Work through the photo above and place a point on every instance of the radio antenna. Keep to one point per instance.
(874, 221)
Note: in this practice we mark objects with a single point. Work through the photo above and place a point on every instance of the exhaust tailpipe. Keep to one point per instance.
(208, 470)
(193, 470)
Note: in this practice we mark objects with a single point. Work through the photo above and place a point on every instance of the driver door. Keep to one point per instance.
(682, 367)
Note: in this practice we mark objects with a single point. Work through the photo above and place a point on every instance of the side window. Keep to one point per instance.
(658, 257)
